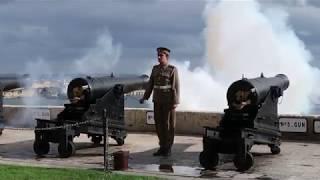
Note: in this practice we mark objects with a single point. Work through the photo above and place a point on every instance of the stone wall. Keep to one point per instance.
(189, 123)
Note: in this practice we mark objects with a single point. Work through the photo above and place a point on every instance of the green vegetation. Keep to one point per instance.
(9, 172)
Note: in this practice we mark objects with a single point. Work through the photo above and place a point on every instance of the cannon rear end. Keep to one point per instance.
(8, 82)
(251, 118)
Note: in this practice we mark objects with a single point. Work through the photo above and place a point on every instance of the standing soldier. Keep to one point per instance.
(164, 82)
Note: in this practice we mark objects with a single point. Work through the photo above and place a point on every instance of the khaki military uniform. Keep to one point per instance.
(164, 82)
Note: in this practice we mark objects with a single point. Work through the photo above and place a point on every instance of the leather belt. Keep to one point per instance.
(162, 87)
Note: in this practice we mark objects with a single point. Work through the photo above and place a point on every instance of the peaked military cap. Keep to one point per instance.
(164, 50)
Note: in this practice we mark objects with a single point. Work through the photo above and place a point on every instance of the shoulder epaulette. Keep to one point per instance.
(171, 67)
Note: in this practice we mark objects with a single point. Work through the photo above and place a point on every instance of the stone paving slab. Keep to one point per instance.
(297, 160)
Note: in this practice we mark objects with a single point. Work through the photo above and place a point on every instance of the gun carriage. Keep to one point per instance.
(251, 118)
(89, 98)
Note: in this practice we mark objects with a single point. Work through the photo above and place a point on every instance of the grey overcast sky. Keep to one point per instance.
(60, 32)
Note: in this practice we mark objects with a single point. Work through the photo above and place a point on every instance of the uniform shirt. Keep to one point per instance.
(163, 76)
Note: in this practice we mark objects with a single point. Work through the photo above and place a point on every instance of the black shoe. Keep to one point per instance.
(167, 153)
(158, 153)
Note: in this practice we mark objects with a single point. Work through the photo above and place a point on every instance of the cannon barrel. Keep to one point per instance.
(13, 81)
(256, 89)
(95, 87)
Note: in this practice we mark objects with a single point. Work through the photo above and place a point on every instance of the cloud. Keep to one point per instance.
(62, 33)
(100, 59)
(3, 2)
(287, 3)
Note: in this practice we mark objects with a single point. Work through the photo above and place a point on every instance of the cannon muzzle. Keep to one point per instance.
(254, 91)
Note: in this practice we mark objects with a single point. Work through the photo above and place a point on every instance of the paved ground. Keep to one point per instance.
(297, 160)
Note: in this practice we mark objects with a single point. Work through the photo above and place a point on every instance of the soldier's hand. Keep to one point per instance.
(174, 106)
(141, 101)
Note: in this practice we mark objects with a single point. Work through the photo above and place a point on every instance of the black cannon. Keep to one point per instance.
(251, 118)
(8, 82)
(92, 99)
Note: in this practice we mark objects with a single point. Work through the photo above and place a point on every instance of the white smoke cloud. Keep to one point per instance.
(98, 59)
(241, 39)
(101, 58)
(35, 69)
(199, 91)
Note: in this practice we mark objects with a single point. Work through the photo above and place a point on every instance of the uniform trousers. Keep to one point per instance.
(165, 120)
